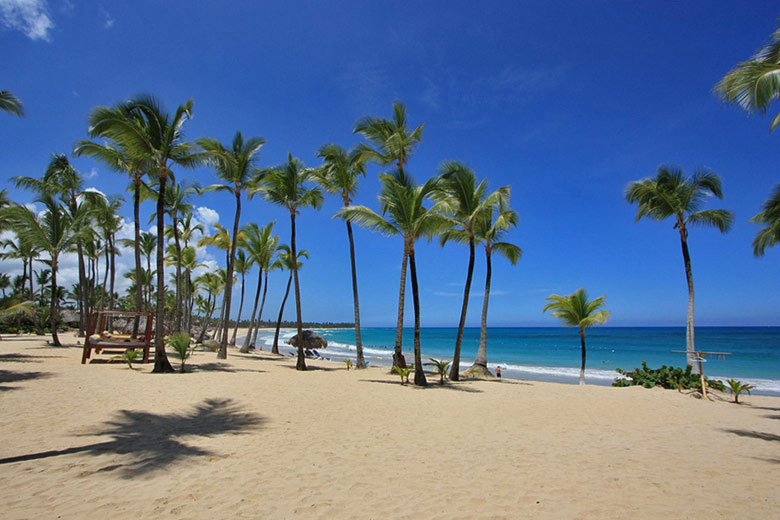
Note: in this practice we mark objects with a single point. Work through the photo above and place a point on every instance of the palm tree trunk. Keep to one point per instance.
(177, 242)
(480, 362)
(229, 282)
(260, 313)
(240, 308)
(82, 290)
(455, 369)
(419, 374)
(206, 319)
(582, 366)
(275, 347)
(32, 272)
(301, 363)
(252, 325)
(398, 357)
(105, 274)
(53, 312)
(360, 361)
(161, 363)
(113, 272)
(690, 347)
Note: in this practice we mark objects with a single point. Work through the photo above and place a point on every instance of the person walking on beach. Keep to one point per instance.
(498, 371)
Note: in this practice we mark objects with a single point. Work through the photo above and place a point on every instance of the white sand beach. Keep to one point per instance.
(251, 437)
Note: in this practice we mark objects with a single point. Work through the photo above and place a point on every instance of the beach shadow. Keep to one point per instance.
(770, 408)
(772, 417)
(313, 368)
(774, 461)
(8, 376)
(752, 433)
(150, 442)
(431, 385)
(218, 367)
(24, 358)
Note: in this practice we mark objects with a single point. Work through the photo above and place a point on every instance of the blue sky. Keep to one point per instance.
(566, 102)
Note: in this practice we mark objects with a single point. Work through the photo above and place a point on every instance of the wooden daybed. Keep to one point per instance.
(99, 338)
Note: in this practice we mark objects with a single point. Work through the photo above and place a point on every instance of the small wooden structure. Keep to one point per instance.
(701, 356)
(98, 337)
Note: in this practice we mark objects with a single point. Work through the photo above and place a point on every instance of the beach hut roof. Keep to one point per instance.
(310, 340)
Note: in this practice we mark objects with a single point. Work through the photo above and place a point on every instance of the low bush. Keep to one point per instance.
(665, 377)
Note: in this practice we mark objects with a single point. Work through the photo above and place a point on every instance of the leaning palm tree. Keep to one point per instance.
(340, 175)
(769, 217)
(402, 201)
(755, 83)
(146, 131)
(10, 103)
(465, 202)
(284, 260)
(235, 166)
(261, 245)
(392, 141)
(55, 232)
(490, 230)
(575, 310)
(671, 194)
(286, 186)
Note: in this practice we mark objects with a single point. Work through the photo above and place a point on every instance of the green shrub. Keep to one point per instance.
(665, 377)
(737, 387)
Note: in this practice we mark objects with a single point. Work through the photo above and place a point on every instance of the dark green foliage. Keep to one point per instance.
(665, 377)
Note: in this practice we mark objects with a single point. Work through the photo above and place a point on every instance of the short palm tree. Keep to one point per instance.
(10, 103)
(339, 175)
(146, 131)
(490, 230)
(575, 310)
(284, 260)
(286, 186)
(671, 194)
(465, 202)
(737, 387)
(261, 245)
(769, 217)
(55, 232)
(235, 166)
(401, 200)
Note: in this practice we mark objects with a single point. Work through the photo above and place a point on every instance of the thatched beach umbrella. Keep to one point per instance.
(311, 340)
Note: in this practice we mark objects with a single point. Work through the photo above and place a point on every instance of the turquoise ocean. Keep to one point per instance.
(553, 354)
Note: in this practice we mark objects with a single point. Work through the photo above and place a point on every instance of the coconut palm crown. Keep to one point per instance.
(392, 141)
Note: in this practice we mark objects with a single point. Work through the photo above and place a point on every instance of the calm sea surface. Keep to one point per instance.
(553, 354)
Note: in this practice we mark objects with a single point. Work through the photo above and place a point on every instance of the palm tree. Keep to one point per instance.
(490, 233)
(55, 232)
(235, 166)
(20, 249)
(10, 103)
(109, 223)
(261, 246)
(769, 217)
(402, 201)
(393, 142)
(284, 260)
(213, 282)
(286, 186)
(243, 264)
(189, 261)
(753, 84)
(221, 240)
(340, 175)
(575, 310)
(671, 194)
(465, 202)
(146, 131)
(5, 283)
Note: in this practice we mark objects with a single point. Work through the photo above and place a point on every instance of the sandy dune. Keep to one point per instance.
(253, 438)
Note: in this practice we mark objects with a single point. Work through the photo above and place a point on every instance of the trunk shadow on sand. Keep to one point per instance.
(150, 442)
(9, 376)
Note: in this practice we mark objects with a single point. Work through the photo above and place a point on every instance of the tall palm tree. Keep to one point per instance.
(21, 249)
(213, 283)
(243, 263)
(221, 239)
(286, 186)
(55, 232)
(769, 217)
(755, 83)
(490, 232)
(465, 202)
(261, 246)
(671, 194)
(146, 131)
(401, 200)
(575, 310)
(284, 260)
(339, 174)
(10, 103)
(189, 261)
(235, 166)
(109, 223)
(392, 141)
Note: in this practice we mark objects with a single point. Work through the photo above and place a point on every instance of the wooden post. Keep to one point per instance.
(701, 372)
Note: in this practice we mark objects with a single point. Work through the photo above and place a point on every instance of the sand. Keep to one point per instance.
(251, 437)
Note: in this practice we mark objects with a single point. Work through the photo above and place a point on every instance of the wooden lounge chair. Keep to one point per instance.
(98, 338)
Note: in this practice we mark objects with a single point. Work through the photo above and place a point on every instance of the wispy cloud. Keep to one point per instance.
(28, 16)
(109, 23)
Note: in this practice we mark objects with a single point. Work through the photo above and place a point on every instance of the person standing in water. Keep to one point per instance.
(498, 371)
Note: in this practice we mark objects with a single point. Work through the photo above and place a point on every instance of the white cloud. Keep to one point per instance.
(206, 216)
(92, 173)
(29, 16)
(109, 19)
